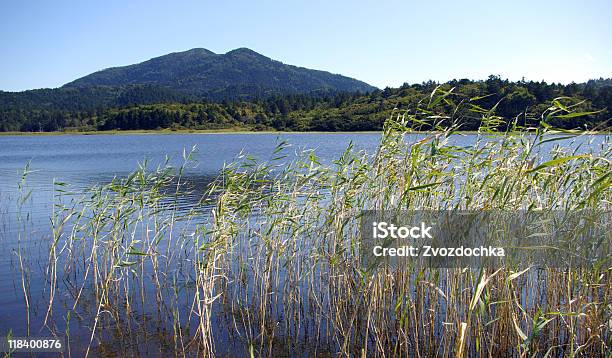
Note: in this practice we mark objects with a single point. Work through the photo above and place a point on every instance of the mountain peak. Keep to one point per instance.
(245, 52)
(198, 51)
(241, 50)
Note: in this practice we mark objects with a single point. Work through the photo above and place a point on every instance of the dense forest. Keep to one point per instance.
(155, 107)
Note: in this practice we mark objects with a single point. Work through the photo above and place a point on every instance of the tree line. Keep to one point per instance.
(150, 107)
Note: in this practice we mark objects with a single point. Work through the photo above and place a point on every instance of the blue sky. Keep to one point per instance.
(385, 43)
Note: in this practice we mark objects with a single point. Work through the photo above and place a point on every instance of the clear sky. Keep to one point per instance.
(47, 43)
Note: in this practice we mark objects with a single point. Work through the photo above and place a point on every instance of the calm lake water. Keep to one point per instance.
(83, 161)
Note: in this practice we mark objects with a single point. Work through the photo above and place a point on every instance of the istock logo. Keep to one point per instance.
(383, 230)
(485, 238)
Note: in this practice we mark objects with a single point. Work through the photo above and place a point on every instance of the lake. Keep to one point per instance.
(83, 161)
(86, 160)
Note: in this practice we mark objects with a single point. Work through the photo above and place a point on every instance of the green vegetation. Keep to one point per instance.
(238, 74)
(152, 107)
(273, 268)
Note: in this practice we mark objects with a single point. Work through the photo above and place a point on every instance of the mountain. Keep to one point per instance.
(237, 74)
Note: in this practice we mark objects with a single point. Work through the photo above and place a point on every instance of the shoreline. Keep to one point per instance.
(244, 131)
(181, 131)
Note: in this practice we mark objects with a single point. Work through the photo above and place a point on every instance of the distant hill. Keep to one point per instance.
(238, 74)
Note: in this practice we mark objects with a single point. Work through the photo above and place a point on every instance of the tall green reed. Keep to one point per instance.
(269, 259)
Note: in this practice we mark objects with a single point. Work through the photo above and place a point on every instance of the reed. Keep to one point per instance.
(267, 263)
